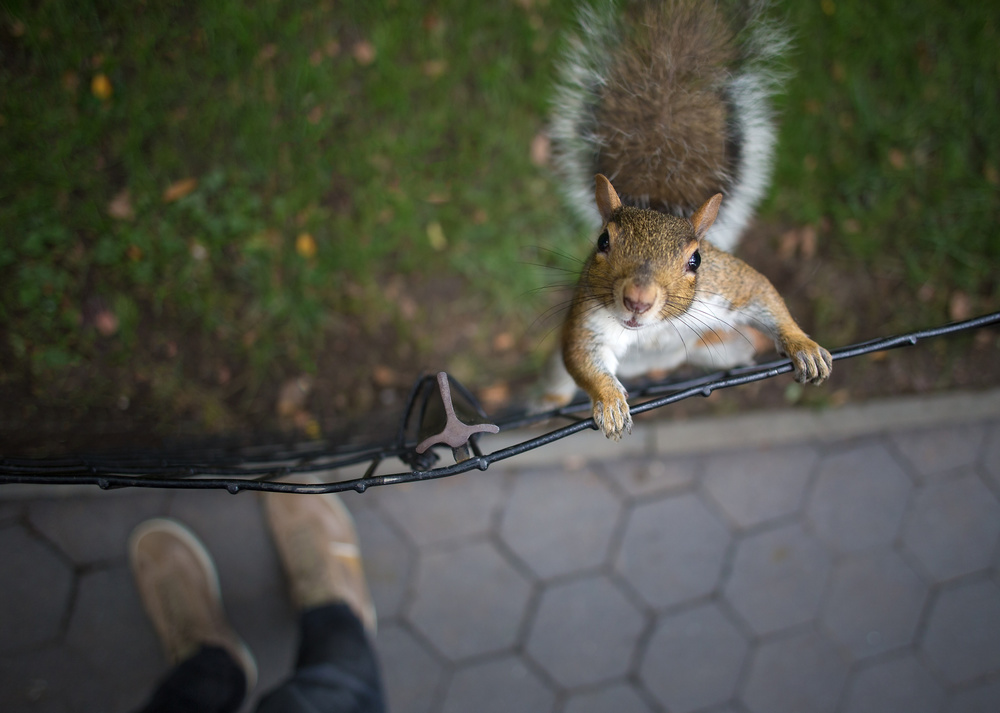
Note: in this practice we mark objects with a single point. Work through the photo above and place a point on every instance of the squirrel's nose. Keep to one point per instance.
(638, 300)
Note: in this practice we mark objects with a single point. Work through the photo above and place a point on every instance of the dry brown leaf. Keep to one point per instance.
(540, 149)
(120, 206)
(305, 245)
(434, 68)
(495, 396)
(383, 376)
(100, 87)
(503, 341)
(364, 52)
(106, 322)
(292, 396)
(179, 189)
(959, 306)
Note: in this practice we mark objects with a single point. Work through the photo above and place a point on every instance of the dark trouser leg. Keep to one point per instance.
(336, 671)
(208, 682)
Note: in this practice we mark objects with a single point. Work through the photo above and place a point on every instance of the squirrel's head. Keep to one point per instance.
(644, 267)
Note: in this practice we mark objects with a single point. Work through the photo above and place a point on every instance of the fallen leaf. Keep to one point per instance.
(897, 159)
(179, 189)
(364, 52)
(315, 115)
(503, 341)
(959, 306)
(106, 322)
(495, 396)
(305, 245)
(540, 149)
(266, 54)
(292, 396)
(436, 237)
(120, 206)
(100, 87)
(434, 68)
(134, 253)
(316, 58)
(383, 376)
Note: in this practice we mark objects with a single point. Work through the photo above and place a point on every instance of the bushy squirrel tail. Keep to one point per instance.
(671, 100)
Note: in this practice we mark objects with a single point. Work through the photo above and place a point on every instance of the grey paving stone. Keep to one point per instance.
(859, 499)
(411, 675)
(497, 686)
(468, 600)
(388, 561)
(778, 578)
(10, 511)
(558, 522)
(900, 684)
(584, 632)
(754, 487)
(672, 550)
(647, 476)
(254, 588)
(963, 632)
(35, 596)
(617, 697)
(936, 451)
(991, 454)
(52, 680)
(802, 673)
(873, 603)
(980, 699)
(693, 659)
(449, 509)
(109, 629)
(953, 527)
(95, 528)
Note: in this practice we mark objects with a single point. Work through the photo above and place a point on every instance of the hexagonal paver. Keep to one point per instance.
(584, 632)
(646, 476)
(901, 684)
(991, 454)
(620, 698)
(468, 600)
(672, 550)
(498, 686)
(388, 561)
(48, 679)
(873, 603)
(981, 699)
(454, 508)
(963, 631)
(937, 451)
(802, 673)
(693, 659)
(559, 522)
(757, 486)
(96, 528)
(35, 596)
(411, 675)
(859, 499)
(778, 578)
(110, 629)
(953, 527)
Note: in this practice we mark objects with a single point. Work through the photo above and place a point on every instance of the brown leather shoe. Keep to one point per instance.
(318, 544)
(179, 588)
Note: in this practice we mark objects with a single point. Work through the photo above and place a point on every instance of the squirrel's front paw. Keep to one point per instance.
(812, 362)
(611, 414)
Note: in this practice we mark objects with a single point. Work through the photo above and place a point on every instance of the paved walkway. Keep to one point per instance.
(840, 562)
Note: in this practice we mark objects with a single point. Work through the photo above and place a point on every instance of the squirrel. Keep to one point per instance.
(670, 100)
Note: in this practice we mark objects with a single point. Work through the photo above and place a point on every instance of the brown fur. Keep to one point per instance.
(663, 122)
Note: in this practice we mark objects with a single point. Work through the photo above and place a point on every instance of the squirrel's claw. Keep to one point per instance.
(812, 363)
(612, 415)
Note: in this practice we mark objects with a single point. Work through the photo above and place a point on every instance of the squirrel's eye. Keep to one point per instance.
(694, 261)
(604, 242)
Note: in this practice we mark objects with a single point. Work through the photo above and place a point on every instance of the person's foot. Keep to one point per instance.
(179, 588)
(318, 545)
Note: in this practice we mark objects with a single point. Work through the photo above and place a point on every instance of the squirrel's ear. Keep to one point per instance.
(704, 217)
(607, 199)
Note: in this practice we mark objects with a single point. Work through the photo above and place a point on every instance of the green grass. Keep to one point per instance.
(891, 136)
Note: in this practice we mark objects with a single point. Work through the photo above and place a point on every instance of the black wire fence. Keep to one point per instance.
(432, 419)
